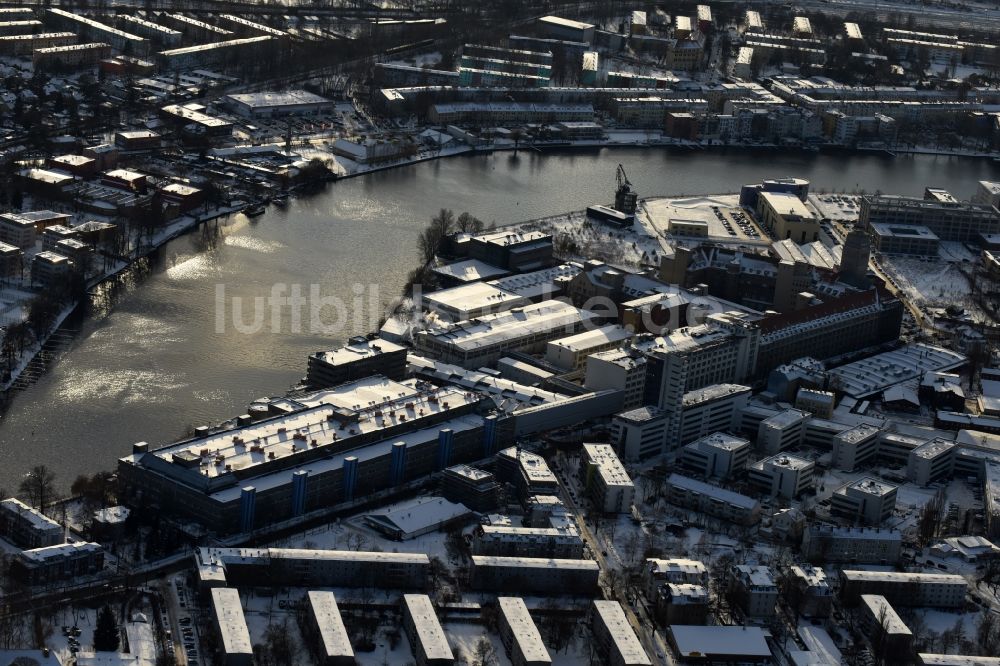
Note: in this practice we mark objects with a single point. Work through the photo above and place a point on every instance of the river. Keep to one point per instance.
(151, 360)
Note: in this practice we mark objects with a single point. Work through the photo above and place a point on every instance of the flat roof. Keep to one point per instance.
(903, 577)
(888, 229)
(869, 485)
(594, 338)
(786, 203)
(62, 550)
(473, 296)
(36, 518)
(523, 629)
(534, 563)
(719, 440)
(885, 614)
(492, 329)
(532, 464)
(333, 634)
(433, 642)
(872, 375)
(756, 575)
(642, 414)
(928, 659)
(785, 460)
(566, 23)
(470, 270)
(610, 468)
(275, 99)
(626, 643)
(228, 610)
(210, 46)
(709, 490)
(719, 641)
(358, 349)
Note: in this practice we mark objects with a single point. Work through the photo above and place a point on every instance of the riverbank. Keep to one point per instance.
(175, 229)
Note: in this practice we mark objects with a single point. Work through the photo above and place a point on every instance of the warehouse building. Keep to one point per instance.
(276, 104)
(519, 634)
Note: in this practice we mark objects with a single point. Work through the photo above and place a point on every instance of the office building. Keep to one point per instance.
(615, 638)
(519, 634)
(17, 230)
(360, 357)
(714, 408)
(855, 447)
(784, 430)
(624, 370)
(230, 623)
(571, 353)
(782, 475)
(527, 471)
(867, 501)
(423, 629)
(26, 527)
(948, 220)
(935, 590)
(50, 269)
(605, 479)
(931, 461)
(717, 455)
(818, 403)
(481, 342)
(855, 545)
(755, 589)
(786, 216)
(639, 433)
(534, 576)
(473, 487)
(709, 499)
(325, 627)
(911, 239)
(987, 193)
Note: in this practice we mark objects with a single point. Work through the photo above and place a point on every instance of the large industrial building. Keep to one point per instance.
(314, 452)
(272, 104)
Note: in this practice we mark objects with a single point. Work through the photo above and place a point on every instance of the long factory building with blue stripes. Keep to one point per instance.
(314, 452)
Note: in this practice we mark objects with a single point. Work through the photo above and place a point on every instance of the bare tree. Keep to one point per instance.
(484, 654)
(38, 487)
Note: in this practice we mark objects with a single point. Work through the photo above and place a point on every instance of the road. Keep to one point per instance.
(645, 628)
